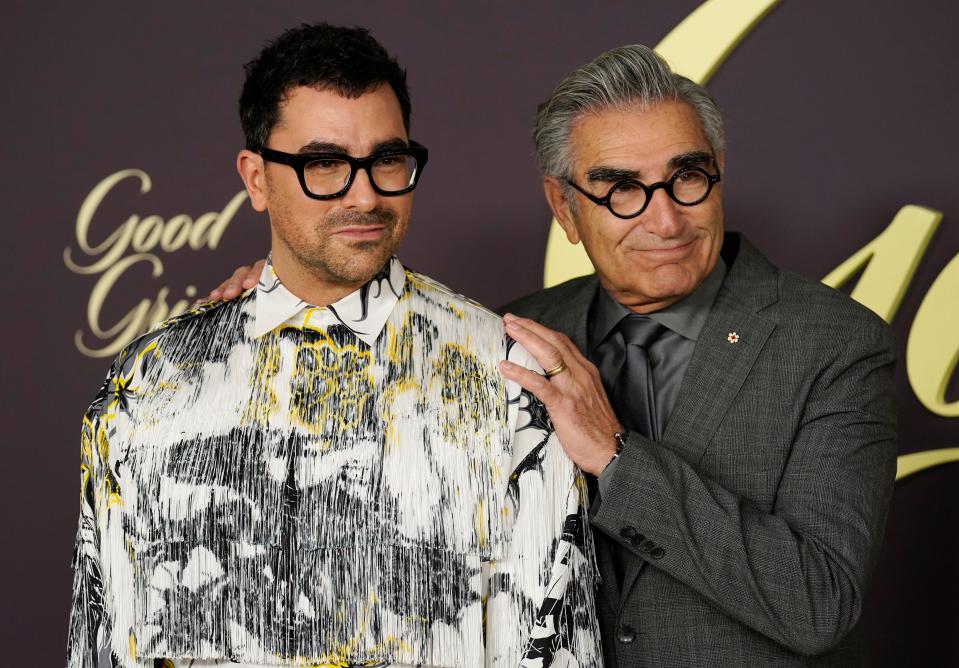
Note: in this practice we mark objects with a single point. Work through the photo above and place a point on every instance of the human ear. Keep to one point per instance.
(253, 172)
(556, 197)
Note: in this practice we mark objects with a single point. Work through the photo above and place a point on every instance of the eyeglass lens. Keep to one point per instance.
(390, 173)
(688, 187)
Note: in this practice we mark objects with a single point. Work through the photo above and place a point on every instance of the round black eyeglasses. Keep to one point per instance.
(330, 175)
(629, 198)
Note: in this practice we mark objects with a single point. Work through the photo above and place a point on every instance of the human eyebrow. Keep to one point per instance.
(322, 147)
(691, 159)
(393, 144)
(610, 174)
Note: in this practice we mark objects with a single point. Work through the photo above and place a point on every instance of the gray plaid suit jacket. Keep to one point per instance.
(751, 530)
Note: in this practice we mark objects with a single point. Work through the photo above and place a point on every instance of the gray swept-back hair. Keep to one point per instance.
(618, 79)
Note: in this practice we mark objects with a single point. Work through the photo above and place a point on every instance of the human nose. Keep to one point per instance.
(361, 195)
(662, 216)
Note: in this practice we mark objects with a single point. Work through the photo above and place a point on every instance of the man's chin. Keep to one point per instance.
(673, 282)
(361, 272)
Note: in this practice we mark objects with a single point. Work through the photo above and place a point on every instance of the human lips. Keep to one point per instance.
(676, 251)
(362, 233)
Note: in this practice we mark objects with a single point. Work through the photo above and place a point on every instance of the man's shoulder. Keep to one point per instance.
(820, 320)
(812, 301)
(799, 302)
(206, 317)
(187, 337)
(533, 305)
(195, 328)
(444, 297)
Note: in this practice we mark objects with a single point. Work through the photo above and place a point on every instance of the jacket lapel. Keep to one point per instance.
(728, 346)
(732, 339)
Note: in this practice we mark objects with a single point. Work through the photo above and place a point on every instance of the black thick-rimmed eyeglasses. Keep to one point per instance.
(330, 175)
(628, 198)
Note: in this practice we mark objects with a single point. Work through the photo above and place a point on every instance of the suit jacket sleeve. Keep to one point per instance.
(796, 573)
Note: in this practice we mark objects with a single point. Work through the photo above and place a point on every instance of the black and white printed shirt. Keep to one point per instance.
(265, 482)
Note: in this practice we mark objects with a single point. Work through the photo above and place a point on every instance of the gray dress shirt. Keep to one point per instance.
(670, 354)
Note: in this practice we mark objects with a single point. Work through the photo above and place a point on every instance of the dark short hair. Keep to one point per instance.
(345, 60)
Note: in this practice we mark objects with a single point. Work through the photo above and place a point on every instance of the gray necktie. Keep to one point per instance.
(633, 396)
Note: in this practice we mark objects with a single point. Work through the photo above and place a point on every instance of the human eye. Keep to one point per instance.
(690, 175)
(390, 163)
(325, 175)
(325, 164)
(626, 187)
(396, 165)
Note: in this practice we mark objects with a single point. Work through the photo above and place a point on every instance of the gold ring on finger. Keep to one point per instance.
(556, 370)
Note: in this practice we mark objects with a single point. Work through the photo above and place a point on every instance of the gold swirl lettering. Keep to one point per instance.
(933, 348)
(889, 261)
(142, 236)
(115, 245)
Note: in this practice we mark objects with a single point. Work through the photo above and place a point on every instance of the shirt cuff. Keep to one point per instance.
(604, 479)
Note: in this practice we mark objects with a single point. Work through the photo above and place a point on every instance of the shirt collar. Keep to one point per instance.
(364, 311)
(687, 317)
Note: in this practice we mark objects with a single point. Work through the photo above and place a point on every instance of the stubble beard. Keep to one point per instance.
(338, 261)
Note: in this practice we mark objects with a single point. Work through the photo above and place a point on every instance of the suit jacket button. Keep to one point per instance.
(637, 540)
(646, 545)
(627, 532)
(657, 553)
(626, 634)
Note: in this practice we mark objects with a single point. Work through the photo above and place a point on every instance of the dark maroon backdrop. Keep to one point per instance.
(839, 113)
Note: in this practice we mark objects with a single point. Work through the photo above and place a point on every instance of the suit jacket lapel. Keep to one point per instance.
(728, 346)
(734, 335)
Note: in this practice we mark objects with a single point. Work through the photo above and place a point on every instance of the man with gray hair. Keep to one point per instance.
(739, 420)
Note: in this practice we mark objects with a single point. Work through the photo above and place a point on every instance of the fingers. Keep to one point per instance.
(562, 342)
(550, 348)
(542, 350)
(241, 280)
(253, 275)
(577, 403)
(557, 339)
(233, 286)
(538, 385)
(225, 290)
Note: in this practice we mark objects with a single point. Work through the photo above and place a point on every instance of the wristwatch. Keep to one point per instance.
(620, 437)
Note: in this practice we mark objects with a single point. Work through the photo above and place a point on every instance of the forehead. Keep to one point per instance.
(637, 138)
(309, 114)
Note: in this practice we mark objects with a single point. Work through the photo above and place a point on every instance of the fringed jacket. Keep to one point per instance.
(271, 483)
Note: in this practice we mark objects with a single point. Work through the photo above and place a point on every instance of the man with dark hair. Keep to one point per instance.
(329, 470)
